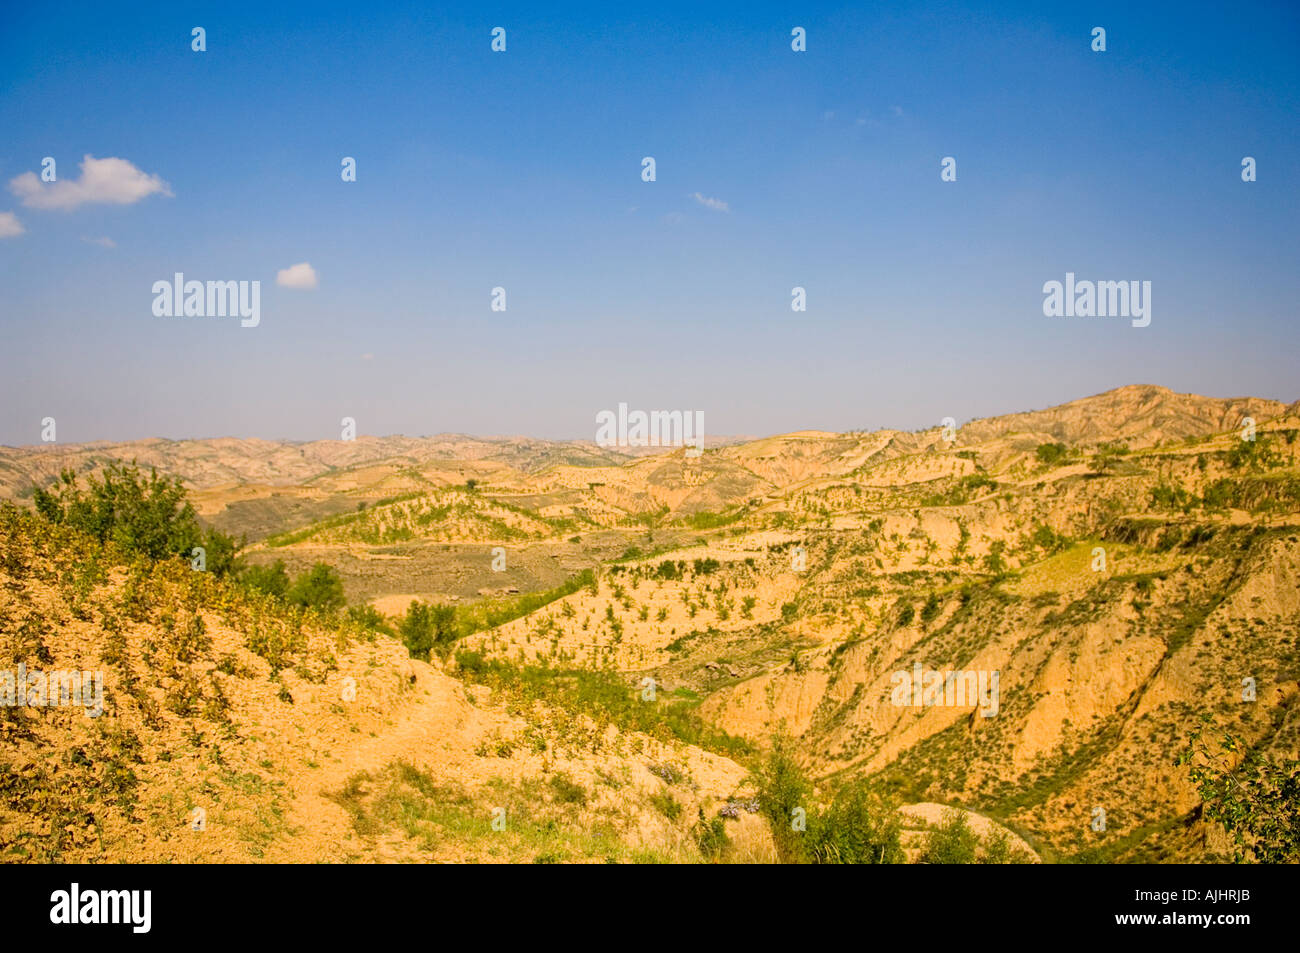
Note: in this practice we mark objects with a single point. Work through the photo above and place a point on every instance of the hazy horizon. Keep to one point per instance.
(710, 438)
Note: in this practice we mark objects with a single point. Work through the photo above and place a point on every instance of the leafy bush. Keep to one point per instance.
(1051, 453)
(277, 642)
(668, 570)
(952, 842)
(782, 787)
(149, 515)
(998, 849)
(428, 627)
(857, 828)
(1264, 493)
(708, 520)
(1255, 799)
(272, 580)
(711, 836)
(318, 588)
(1168, 497)
(993, 561)
(491, 613)
(369, 618)
(1045, 538)
(667, 805)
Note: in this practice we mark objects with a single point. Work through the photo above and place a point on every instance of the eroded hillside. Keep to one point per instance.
(631, 635)
(231, 728)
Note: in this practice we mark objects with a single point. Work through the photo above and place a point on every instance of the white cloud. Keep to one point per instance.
(104, 242)
(10, 226)
(103, 181)
(716, 204)
(301, 275)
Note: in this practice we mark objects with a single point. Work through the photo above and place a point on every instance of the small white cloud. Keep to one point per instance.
(104, 242)
(716, 204)
(301, 275)
(828, 115)
(103, 181)
(673, 218)
(10, 227)
(896, 110)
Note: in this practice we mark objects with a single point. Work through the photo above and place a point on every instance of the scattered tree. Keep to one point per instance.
(1051, 454)
(1254, 798)
(427, 628)
(318, 588)
(146, 515)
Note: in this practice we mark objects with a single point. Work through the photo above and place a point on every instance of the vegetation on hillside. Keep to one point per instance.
(1254, 797)
(1122, 586)
(147, 515)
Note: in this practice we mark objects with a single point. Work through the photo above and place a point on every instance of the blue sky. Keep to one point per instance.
(522, 170)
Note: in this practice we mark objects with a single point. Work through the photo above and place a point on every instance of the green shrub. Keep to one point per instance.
(276, 642)
(1051, 453)
(667, 805)
(150, 516)
(605, 697)
(1045, 538)
(952, 842)
(993, 561)
(711, 836)
(369, 619)
(318, 588)
(1167, 497)
(1254, 797)
(668, 570)
(428, 627)
(272, 580)
(998, 849)
(782, 787)
(857, 828)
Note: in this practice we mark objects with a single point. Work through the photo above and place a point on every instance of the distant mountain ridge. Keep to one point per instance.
(1142, 415)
